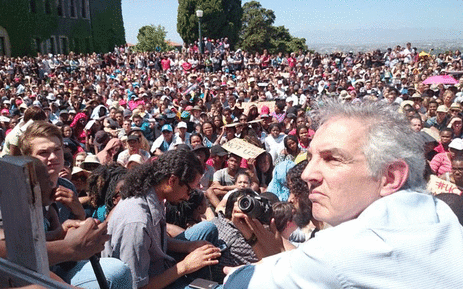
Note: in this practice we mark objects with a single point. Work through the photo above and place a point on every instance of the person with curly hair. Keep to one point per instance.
(103, 181)
(299, 197)
(138, 224)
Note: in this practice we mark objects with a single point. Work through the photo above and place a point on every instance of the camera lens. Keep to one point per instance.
(245, 204)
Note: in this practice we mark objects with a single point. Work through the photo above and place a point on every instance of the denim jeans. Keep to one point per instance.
(82, 275)
(201, 231)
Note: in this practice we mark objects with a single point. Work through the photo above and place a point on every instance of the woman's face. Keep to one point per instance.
(195, 141)
(67, 131)
(243, 182)
(264, 163)
(207, 129)
(292, 145)
(275, 131)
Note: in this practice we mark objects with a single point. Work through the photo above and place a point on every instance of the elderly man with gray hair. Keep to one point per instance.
(365, 176)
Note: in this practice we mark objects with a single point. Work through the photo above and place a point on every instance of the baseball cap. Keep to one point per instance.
(182, 124)
(457, 144)
(167, 127)
(133, 137)
(442, 108)
(218, 150)
(135, 158)
(202, 148)
(185, 114)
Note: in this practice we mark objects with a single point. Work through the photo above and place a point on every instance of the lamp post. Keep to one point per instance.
(199, 14)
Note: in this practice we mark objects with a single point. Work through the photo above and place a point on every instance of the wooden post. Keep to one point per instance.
(22, 213)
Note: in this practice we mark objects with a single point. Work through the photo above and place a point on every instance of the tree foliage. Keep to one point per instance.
(221, 18)
(152, 38)
(258, 32)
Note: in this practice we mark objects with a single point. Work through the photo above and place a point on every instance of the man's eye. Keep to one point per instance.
(331, 159)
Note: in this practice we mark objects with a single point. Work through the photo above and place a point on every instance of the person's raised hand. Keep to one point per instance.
(87, 238)
(239, 219)
(251, 163)
(70, 200)
(203, 256)
(270, 241)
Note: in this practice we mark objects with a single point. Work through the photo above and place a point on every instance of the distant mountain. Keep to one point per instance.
(367, 39)
(377, 35)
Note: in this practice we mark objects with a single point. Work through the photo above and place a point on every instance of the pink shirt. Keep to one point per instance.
(440, 164)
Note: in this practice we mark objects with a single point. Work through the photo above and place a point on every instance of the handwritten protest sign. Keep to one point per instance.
(270, 104)
(438, 186)
(243, 149)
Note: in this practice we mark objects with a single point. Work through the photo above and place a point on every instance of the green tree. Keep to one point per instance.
(258, 33)
(221, 18)
(256, 30)
(152, 38)
(282, 41)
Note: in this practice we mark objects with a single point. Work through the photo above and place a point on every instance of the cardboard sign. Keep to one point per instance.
(270, 104)
(243, 149)
(438, 186)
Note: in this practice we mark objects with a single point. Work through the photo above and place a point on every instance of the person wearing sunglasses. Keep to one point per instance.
(137, 224)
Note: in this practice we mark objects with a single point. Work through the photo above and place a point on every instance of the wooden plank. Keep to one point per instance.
(21, 205)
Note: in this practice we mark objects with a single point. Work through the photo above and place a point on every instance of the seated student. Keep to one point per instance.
(138, 224)
(163, 142)
(79, 240)
(224, 180)
(239, 251)
(243, 181)
(283, 214)
(99, 183)
(218, 157)
(186, 214)
(442, 162)
(133, 147)
(264, 170)
(278, 184)
(203, 153)
(52, 225)
(291, 150)
(456, 174)
(274, 142)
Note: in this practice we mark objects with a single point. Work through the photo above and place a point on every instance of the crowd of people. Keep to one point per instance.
(133, 143)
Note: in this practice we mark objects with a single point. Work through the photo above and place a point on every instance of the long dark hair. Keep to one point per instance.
(294, 139)
(181, 163)
(264, 177)
(99, 183)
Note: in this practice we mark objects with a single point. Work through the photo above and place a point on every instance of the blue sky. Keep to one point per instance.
(326, 21)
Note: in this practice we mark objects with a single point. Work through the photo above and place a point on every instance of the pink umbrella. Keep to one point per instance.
(438, 79)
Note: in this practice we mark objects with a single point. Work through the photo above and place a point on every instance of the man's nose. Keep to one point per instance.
(312, 174)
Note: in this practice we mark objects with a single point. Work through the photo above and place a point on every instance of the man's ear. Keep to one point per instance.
(394, 177)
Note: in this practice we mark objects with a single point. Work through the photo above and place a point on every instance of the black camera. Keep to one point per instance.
(256, 207)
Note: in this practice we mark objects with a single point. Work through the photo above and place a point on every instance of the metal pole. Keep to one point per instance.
(200, 38)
